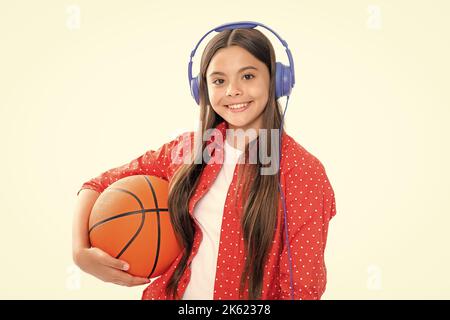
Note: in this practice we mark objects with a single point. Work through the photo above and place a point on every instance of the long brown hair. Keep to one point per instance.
(260, 203)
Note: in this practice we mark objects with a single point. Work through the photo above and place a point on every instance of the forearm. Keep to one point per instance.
(83, 207)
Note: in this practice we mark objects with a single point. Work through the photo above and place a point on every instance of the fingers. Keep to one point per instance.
(109, 261)
(137, 281)
(125, 279)
(115, 272)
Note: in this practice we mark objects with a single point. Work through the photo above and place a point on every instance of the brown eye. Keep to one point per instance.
(214, 82)
(252, 76)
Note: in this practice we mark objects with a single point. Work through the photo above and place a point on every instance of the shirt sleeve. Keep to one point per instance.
(310, 205)
(156, 163)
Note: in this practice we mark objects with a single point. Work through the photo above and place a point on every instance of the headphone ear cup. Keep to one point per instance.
(195, 89)
(283, 80)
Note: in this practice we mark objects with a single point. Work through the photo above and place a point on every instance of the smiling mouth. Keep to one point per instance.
(238, 105)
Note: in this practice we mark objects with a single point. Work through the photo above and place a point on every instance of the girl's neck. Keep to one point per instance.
(233, 140)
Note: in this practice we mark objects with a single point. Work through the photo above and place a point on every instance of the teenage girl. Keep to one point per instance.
(242, 237)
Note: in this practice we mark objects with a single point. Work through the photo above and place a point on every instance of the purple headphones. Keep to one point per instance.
(284, 76)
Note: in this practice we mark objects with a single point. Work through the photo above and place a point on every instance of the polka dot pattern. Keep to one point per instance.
(310, 205)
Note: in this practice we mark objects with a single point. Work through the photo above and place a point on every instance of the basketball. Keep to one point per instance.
(130, 221)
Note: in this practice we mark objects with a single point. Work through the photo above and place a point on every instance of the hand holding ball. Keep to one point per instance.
(130, 220)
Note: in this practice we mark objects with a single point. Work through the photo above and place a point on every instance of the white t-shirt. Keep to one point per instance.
(208, 212)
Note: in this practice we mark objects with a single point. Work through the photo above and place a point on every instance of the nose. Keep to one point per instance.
(233, 89)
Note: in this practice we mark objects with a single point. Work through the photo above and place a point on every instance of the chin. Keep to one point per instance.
(237, 124)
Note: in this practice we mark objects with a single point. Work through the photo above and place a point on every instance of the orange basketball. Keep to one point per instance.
(130, 221)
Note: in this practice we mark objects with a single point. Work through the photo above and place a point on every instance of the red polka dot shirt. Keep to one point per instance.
(310, 204)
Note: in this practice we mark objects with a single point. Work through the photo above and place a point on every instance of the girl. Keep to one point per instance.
(229, 216)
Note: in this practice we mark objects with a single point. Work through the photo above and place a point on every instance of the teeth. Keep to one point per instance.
(237, 106)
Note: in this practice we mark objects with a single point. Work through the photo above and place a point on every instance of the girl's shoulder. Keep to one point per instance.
(295, 157)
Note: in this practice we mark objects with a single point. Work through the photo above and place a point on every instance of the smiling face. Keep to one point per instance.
(234, 76)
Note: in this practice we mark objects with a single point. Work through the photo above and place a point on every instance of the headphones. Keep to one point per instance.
(284, 75)
(284, 82)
